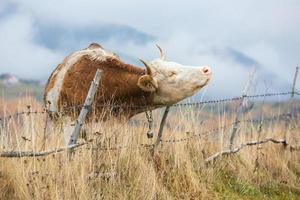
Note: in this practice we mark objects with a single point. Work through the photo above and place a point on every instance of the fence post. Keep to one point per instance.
(294, 82)
(161, 127)
(241, 107)
(288, 120)
(1, 134)
(45, 130)
(86, 106)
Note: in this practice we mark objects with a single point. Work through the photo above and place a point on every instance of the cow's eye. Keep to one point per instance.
(172, 74)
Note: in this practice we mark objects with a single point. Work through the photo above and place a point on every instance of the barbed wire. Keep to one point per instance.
(236, 98)
(201, 135)
(214, 130)
(250, 143)
(8, 117)
(202, 102)
(120, 147)
(66, 109)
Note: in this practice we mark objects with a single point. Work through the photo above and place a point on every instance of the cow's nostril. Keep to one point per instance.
(206, 70)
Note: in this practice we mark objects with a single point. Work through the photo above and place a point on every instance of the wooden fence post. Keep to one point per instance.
(294, 82)
(1, 134)
(86, 106)
(241, 108)
(161, 127)
(288, 120)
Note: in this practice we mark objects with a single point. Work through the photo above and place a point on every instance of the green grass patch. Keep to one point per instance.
(230, 187)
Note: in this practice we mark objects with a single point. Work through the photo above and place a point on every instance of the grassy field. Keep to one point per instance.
(175, 171)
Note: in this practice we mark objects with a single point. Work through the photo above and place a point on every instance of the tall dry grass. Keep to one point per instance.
(175, 171)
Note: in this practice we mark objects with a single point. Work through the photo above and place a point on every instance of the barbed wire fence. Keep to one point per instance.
(73, 145)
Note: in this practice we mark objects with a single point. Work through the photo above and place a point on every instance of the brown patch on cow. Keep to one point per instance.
(118, 86)
(116, 64)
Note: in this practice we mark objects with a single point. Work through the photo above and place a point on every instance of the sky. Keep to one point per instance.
(230, 36)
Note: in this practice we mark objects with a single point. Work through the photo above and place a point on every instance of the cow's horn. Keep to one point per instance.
(162, 53)
(149, 71)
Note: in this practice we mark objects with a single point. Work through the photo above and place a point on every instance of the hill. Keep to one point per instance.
(12, 87)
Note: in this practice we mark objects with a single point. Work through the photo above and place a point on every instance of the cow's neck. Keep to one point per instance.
(126, 93)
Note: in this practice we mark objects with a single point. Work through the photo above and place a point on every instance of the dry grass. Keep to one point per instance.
(176, 171)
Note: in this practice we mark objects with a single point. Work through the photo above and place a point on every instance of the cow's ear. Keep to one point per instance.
(147, 83)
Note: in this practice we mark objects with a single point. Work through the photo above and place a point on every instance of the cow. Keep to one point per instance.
(124, 88)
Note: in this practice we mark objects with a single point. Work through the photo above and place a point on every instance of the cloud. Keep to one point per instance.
(62, 38)
(19, 54)
(230, 36)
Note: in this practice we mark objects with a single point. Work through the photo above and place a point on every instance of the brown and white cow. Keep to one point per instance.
(126, 89)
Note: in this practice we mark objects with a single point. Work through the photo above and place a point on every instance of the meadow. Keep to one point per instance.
(117, 161)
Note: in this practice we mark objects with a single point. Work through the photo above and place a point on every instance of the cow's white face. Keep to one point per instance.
(176, 82)
(172, 82)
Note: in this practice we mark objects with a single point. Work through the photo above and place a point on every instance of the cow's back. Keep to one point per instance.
(68, 85)
(69, 82)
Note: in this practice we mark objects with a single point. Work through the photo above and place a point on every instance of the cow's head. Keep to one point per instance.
(171, 82)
